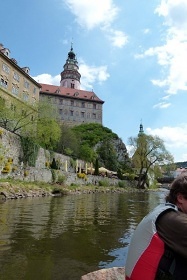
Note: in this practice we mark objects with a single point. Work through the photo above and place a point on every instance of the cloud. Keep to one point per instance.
(118, 38)
(172, 136)
(47, 79)
(175, 140)
(172, 55)
(162, 105)
(146, 31)
(89, 76)
(92, 74)
(95, 13)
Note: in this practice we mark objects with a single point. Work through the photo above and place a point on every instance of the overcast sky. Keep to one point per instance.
(133, 54)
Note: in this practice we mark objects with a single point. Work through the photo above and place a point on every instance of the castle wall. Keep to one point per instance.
(11, 151)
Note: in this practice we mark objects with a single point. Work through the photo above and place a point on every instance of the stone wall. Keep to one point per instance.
(10, 149)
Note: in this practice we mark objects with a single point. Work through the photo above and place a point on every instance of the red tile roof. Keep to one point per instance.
(69, 92)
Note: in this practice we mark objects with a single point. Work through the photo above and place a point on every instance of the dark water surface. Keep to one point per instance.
(66, 237)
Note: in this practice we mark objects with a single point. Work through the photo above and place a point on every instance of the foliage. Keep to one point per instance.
(54, 164)
(61, 179)
(17, 117)
(82, 176)
(96, 171)
(68, 143)
(121, 184)
(103, 183)
(92, 133)
(86, 153)
(54, 174)
(30, 151)
(6, 168)
(107, 155)
(148, 151)
(48, 128)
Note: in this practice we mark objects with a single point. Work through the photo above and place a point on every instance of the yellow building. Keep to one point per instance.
(15, 82)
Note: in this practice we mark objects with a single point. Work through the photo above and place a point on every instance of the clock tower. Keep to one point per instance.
(70, 76)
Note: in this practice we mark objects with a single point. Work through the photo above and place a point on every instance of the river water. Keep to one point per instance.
(63, 238)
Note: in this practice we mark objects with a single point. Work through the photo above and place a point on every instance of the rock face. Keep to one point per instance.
(120, 149)
(114, 273)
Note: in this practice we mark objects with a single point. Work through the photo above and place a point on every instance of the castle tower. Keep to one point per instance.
(70, 77)
(141, 131)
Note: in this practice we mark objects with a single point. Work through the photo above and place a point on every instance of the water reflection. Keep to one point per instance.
(64, 238)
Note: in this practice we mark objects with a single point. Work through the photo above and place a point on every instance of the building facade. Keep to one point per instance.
(75, 106)
(15, 82)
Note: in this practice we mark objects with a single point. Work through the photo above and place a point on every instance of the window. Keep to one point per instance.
(26, 84)
(72, 85)
(94, 106)
(25, 97)
(71, 113)
(82, 114)
(6, 68)
(94, 116)
(83, 104)
(61, 101)
(60, 111)
(72, 102)
(34, 90)
(15, 90)
(4, 83)
(16, 76)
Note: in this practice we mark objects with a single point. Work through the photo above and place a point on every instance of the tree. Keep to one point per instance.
(17, 117)
(47, 127)
(69, 142)
(107, 155)
(148, 152)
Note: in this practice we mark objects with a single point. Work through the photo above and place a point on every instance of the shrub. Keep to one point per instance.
(82, 176)
(103, 183)
(26, 173)
(121, 184)
(47, 164)
(61, 179)
(10, 160)
(53, 164)
(6, 168)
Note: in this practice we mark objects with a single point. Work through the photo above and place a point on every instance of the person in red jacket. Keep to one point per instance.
(158, 248)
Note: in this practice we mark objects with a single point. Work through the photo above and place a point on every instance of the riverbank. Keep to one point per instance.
(19, 189)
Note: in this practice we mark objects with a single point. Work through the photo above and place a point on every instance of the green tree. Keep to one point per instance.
(69, 143)
(16, 117)
(149, 151)
(48, 127)
(86, 153)
(96, 172)
(107, 155)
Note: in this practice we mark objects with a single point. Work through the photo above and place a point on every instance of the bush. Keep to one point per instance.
(6, 168)
(61, 179)
(103, 183)
(82, 176)
(54, 164)
(121, 184)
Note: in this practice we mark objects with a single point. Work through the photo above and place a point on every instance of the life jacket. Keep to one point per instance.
(146, 248)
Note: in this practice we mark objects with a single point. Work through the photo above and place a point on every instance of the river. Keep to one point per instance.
(63, 238)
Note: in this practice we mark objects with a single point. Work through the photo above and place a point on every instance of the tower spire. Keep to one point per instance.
(141, 131)
(70, 76)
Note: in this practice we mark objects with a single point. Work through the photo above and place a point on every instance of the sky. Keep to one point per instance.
(132, 54)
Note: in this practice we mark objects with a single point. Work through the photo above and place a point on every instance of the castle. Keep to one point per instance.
(75, 106)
